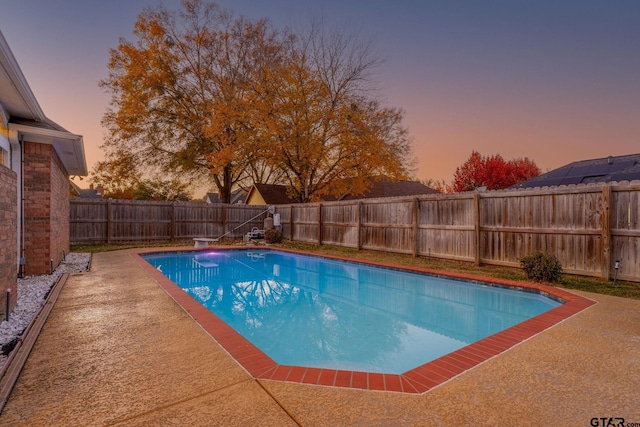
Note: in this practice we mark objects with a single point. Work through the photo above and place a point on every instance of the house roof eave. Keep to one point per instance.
(68, 146)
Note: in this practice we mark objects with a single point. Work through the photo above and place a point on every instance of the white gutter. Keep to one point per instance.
(46, 134)
(69, 146)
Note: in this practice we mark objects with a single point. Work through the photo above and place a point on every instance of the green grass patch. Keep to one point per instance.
(106, 247)
(599, 286)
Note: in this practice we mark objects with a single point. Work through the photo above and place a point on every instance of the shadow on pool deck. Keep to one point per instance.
(117, 350)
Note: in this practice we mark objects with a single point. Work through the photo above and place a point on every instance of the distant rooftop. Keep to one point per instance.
(606, 169)
(274, 194)
(385, 188)
(237, 197)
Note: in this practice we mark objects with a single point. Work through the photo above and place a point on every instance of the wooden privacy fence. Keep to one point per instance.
(116, 221)
(588, 227)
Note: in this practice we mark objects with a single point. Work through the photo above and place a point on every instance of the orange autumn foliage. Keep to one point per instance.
(226, 100)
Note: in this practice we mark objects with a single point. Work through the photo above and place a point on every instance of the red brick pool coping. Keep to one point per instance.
(418, 380)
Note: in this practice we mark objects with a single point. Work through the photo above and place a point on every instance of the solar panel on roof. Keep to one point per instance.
(570, 180)
(619, 165)
(579, 170)
(556, 173)
(550, 182)
(627, 164)
(598, 170)
(620, 168)
(625, 176)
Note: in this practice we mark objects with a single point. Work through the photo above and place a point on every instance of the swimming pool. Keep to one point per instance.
(315, 312)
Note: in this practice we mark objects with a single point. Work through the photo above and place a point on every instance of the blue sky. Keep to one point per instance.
(555, 81)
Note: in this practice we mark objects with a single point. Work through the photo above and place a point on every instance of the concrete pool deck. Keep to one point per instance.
(117, 350)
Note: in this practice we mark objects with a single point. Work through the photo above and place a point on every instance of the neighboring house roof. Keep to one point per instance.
(86, 193)
(212, 198)
(22, 116)
(237, 197)
(74, 189)
(606, 169)
(393, 189)
(91, 193)
(274, 194)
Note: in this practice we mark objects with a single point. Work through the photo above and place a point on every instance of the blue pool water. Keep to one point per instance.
(310, 311)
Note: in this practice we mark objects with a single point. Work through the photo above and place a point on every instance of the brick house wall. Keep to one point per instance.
(46, 208)
(8, 238)
(60, 201)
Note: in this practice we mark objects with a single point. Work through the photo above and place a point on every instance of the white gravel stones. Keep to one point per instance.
(32, 291)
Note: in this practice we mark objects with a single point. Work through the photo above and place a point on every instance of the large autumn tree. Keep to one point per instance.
(183, 95)
(327, 134)
(204, 94)
(492, 172)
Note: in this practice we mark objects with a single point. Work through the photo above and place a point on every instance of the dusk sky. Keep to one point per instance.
(554, 81)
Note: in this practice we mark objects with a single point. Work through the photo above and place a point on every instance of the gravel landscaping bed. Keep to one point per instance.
(32, 292)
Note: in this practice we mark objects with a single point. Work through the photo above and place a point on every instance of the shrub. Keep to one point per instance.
(541, 267)
(272, 235)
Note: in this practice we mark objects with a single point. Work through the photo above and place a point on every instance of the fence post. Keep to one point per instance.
(359, 218)
(172, 216)
(605, 258)
(224, 217)
(291, 221)
(476, 227)
(319, 223)
(109, 221)
(416, 234)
